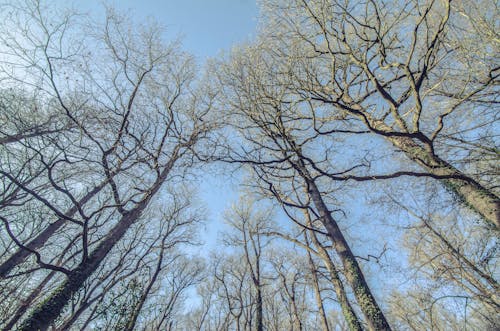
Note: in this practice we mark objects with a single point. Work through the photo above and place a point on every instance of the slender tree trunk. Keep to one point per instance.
(296, 321)
(260, 326)
(138, 307)
(349, 314)
(83, 307)
(459, 256)
(21, 254)
(476, 277)
(258, 290)
(371, 310)
(294, 313)
(317, 291)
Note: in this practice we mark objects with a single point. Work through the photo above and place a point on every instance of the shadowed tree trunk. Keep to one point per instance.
(21, 254)
(473, 194)
(129, 326)
(347, 310)
(27, 302)
(42, 317)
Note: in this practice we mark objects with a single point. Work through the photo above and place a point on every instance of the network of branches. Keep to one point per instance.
(363, 137)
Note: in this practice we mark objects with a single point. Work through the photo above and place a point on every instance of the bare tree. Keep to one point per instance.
(277, 145)
(248, 222)
(399, 71)
(133, 131)
(458, 264)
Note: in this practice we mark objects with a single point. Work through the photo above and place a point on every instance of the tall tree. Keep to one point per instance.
(276, 143)
(401, 71)
(136, 119)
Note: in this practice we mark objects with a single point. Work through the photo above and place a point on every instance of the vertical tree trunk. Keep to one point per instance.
(259, 314)
(129, 326)
(317, 291)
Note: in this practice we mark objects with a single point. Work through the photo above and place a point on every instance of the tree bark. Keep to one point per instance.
(27, 302)
(371, 310)
(474, 195)
(349, 314)
(21, 254)
(317, 291)
(44, 315)
(259, 315)
(470, 192)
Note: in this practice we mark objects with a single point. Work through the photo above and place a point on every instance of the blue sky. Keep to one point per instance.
(205, 26)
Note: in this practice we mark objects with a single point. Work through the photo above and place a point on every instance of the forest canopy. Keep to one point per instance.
(363, 137)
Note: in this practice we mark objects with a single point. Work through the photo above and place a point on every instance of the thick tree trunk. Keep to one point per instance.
(469, 191)
(481, 200)
(27, 302)
(21, 254)
(371, 310)
(42, 317)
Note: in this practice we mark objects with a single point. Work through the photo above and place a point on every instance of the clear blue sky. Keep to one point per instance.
(206, 26)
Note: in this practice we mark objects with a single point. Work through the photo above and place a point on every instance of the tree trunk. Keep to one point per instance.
(481, 200)
(21, 254)
(372, 312)
(42, 317)
(27, 302)
(138, 307)
(317, 291)
(260, 326)
(350, 316)
(469, 191)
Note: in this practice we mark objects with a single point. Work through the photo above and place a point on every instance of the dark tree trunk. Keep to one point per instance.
(21, 254)
(42, 317)
(469, 191)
